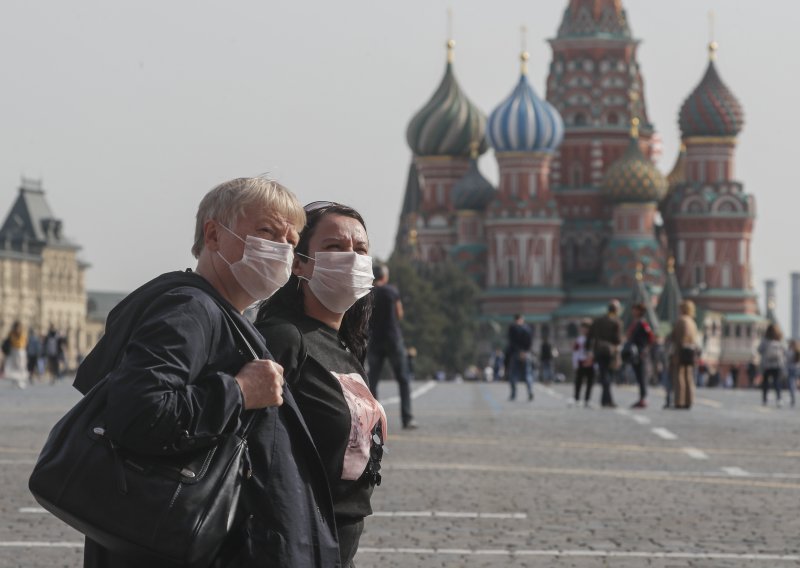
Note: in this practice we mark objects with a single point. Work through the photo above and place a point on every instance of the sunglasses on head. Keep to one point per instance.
(317, 205)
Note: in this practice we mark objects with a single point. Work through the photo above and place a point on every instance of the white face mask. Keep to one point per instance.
(264, 267)
(340, 279)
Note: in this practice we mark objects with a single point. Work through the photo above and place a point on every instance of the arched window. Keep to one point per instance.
(511, 279)
(612, 119)
(579, 119)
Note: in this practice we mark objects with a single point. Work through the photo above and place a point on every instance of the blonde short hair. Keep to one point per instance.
(229, 200)
(687, 308)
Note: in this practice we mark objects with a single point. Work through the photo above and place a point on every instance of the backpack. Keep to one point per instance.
(773, 355)
(6, 346)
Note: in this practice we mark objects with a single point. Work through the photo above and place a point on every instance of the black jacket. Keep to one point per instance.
(172, 356)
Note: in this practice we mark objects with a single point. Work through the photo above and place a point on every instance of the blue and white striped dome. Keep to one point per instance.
(525, 123)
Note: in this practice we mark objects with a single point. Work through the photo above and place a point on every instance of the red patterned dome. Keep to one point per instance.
(711, 109)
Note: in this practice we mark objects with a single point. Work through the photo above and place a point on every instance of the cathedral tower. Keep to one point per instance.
(592, 74)
(441, 135)
(708, 215)
(522, 221)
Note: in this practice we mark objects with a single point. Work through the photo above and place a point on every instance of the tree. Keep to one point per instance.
(440, 314)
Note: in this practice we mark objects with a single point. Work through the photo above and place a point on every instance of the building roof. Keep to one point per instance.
(472, 191)
(594, 19)
(448, 123)
(523, 122)
(30, 223)
(711, 109)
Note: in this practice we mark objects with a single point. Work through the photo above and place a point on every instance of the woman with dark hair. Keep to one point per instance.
(773, 361)
(316, 326)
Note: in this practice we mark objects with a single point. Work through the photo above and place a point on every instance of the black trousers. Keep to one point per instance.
(638, 370)
(581, 374)
(775, 375)
(603, 364)
(394, 350)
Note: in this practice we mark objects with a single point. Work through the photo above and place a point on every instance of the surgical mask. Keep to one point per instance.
(340, 279)
(264, 267)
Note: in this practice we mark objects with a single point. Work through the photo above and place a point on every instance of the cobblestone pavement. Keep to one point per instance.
(489, 482)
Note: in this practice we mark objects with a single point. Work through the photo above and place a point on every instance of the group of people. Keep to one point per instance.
(179, 375)
(602, 349)
(28, 356)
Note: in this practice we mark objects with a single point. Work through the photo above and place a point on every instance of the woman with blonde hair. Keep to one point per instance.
(684, 355)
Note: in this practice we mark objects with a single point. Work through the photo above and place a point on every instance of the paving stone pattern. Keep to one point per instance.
(591, 485)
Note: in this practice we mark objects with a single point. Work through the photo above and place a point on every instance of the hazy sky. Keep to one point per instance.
(131, 111)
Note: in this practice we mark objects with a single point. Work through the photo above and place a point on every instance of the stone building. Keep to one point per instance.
(41, 275)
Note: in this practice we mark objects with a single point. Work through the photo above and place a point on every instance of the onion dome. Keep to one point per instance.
(524, 122)
(448, 122)
(678, 173)
(633, 178)
(594, 18)
(711, 109)
(472, 192)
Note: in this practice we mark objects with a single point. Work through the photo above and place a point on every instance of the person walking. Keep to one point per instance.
(547, 353)
(34, 354)
(386, 342)
(316, 326)
(605, 337)
(773, 362)
(518, 356)
(640, 338)
(583, 365)
(52, 352)
(793, 366)
(15, 365)
(684, 355)
(179, 376)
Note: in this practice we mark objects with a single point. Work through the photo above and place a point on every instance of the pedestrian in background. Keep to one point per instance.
(605, 338)
(52, 353)
(583, 365)
(547, 353)
(15, 365)
(793, 357)
(640, 338)
(684, 355)
(773, 362)
(518, 355)
(34, 353)
(386, 342)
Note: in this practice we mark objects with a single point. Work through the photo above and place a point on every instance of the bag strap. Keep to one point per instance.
(254, 414)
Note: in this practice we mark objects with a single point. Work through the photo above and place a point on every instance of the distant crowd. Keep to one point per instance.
(29, 356)
(606, 351)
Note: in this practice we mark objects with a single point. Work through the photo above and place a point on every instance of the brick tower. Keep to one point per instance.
(522, 221)
(592, 74)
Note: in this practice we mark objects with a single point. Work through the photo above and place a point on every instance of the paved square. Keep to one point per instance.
(488, 482)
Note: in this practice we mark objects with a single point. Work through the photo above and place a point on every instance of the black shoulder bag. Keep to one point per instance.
(175, 508)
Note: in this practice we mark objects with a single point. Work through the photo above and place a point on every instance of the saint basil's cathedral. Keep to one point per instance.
(580, 214)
